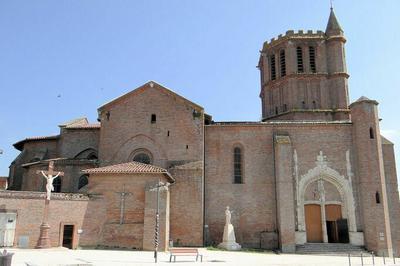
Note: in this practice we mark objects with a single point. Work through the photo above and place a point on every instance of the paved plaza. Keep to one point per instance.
(52, 257)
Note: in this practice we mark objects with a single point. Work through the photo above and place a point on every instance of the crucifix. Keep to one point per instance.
(122, 194)
(50, 175)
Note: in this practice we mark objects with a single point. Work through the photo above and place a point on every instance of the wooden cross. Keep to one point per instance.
(122, 194)
(50, 175)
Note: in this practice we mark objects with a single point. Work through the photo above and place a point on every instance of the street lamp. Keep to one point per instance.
(157, 225)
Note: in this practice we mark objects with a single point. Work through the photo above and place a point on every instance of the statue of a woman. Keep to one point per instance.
(228, 215)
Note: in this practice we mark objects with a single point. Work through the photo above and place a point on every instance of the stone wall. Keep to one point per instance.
(29, 207)
(74, 141)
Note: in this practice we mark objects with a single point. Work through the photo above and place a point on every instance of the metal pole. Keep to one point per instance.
(362, 260)
(349, 260)
(384, 261)
(373, 259)
(156, 238)
(394, 259)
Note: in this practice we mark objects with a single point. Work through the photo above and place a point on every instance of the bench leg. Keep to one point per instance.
(201, 258)
(170, 258)
(175, 258)
(197, 257)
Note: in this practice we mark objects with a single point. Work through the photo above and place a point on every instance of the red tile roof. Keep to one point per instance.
(129, 168)
(20, 144)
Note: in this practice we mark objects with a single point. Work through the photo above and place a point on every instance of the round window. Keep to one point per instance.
(142, 158)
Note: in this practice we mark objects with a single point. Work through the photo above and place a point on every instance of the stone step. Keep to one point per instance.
(330, 248)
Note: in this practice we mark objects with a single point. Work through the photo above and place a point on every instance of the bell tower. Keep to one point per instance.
(304, 75)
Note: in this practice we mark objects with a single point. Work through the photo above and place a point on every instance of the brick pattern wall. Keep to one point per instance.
(393, 194)
(29, 206)
(254, 202)
(102, 220)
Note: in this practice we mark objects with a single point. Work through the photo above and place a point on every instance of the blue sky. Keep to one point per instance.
(90, 51)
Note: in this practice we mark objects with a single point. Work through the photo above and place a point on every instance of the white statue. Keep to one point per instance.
(228, 215)
(229, 239)
(49, 185)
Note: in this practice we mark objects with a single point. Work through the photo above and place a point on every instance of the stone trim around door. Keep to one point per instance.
(322, 172)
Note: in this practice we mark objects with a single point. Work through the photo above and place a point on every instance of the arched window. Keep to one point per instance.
(83, 181)
(300, 66)
(371, 133)
(237, 165)
(142, 158)
(57, 184)
(90, 154)
(282, 61)
(377, 198)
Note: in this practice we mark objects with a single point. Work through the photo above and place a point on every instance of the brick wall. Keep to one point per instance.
(253, 202)
(29, 206)
(102, 220)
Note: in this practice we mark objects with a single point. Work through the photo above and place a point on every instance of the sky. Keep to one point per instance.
(60, 60)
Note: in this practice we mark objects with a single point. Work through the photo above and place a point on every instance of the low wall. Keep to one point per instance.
(65, 209)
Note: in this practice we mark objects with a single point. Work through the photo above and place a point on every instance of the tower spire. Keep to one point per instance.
(333, 26)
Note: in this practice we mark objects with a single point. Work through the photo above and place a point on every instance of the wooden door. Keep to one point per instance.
(313, 223)
(333, 212)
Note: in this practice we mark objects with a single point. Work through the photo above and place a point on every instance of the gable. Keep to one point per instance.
(142, 89)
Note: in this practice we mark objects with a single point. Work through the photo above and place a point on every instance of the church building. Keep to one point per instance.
(315, 169)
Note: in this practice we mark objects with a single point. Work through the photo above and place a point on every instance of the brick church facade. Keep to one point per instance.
(314, 169)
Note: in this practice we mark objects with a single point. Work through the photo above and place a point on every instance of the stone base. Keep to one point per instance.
(356, 238)
(301, 237)
(290, 248)
(230, 246)
(44, 239)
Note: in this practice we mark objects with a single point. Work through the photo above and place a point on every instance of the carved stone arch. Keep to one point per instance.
(141, 141)
(343, 186)
(89, 153)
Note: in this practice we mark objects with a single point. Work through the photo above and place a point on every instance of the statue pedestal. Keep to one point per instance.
(229, 239)
(44, 239)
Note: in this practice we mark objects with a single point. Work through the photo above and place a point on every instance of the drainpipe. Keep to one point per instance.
(276, 199)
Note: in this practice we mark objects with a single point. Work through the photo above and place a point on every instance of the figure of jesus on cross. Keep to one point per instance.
(50, 175)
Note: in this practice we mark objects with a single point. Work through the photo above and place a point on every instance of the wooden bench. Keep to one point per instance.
(184, 252)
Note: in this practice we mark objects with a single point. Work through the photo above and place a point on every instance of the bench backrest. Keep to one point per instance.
(184, 250)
